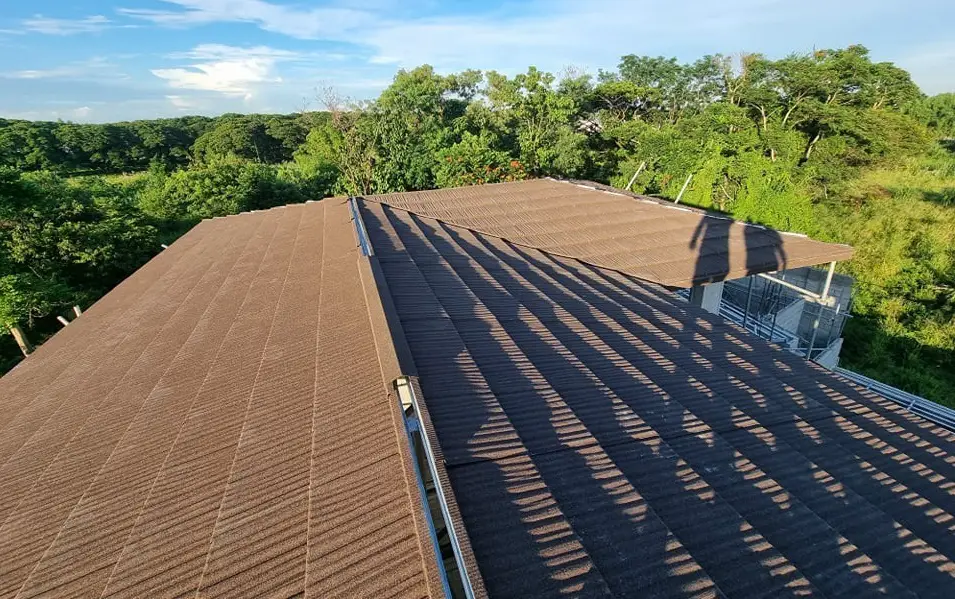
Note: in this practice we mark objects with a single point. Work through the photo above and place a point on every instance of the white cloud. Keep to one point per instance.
(182, 103)
(81, 113)
(97, 68)
(49, 26)
(224, 52)
(548, 33)
(229, 70)
(313, 23)
(596, 33)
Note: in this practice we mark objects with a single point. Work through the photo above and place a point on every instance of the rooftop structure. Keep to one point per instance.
(348, 398)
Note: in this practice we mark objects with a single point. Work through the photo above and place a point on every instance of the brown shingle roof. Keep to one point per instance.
(604, 438)
(223, 422)
(219, 423)
(656, 241)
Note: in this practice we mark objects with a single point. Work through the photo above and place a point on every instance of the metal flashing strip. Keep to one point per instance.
(410, 401)
(360, 230)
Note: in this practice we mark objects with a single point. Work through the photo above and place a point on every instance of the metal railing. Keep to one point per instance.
(363, 241)
(757, 326)
(417, 436)
(925, 408)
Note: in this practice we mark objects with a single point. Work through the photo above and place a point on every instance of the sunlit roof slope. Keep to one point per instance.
(219, 423)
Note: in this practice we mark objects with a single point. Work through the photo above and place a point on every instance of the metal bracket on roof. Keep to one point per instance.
(360, 230)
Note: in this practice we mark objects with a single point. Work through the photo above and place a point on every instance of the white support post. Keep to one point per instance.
(63, 321)
(707, 296)
(635, 175)
(77, 311)
(682, 191)
(825, 288)
(21, 338)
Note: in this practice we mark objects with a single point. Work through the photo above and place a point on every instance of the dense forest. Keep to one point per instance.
(828, 143)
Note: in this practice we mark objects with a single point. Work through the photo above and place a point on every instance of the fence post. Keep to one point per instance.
(749, 297)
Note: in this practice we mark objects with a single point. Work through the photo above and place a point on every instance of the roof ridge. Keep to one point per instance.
(390, 369)
(397, 354)
(396, 361)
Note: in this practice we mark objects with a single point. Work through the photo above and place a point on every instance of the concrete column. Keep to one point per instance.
(707, 296)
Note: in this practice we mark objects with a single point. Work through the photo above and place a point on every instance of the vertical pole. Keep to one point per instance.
(772, 331)
(749, 299)
(635, 175)
(824, 298)
(63, 321)
(815, 329)
(825, 288)
(77, 311)
(25, 346)
(685, 185)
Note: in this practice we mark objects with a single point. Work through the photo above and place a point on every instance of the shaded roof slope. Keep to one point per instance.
(604, 438)
(219, 423)
(649, 239)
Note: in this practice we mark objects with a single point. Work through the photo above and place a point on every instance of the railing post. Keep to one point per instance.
(685, 185)
(635, 175)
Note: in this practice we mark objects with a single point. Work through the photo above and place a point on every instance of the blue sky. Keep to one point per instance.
(106, 60)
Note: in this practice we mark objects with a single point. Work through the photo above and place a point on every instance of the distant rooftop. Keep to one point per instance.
(225, 423)
(653, 240)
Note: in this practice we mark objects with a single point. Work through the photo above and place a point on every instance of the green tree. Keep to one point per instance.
(473, 161)
(938, 113)
(63, 243)
(545, 122)
(224, 187)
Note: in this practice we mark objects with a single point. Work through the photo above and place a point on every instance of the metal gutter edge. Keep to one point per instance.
(926, 408)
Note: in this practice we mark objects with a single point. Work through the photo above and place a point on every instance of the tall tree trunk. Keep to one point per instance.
(25, 346)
